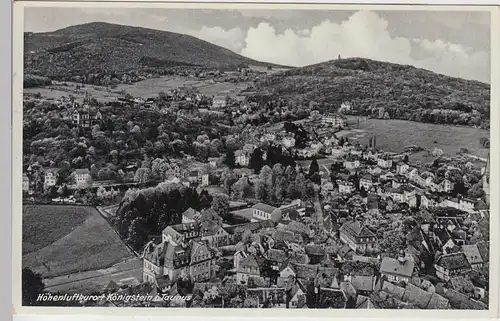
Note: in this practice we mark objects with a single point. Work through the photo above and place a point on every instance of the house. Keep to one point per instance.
(191, 216)
(205, 179)
(445, 186)
(296, 295)
(241, 158)
(82, 177)
(237, 257)
(26, 183)
(261, 211)
(194, 260)
(288, 141)
(384, 162)
(427, 201)
(473, 256)
(358, 237)
(402, 168)
(345, 187)
(334, 120)
(449, 265)
(351, 162)
(248, 267)
(366, 182)
(397, 270)
(345, 107)
(219, 102)
(85, 116)
(212, 161)
(50, 177)
(181, 233)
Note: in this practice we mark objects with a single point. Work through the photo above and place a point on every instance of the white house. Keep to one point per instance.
(384, 162)
(345, 187)
(397, 270)
(288, 141)
(241, 158)
(219, 102)
(50, 177)
(82, 177)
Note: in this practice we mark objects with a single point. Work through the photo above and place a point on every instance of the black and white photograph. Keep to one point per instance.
(255, 157)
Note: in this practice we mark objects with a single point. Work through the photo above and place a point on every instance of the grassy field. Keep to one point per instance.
(81, 240)
(393, 135)
(146, 88)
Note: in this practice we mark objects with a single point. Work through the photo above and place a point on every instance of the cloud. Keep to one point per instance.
(364, 34)
(232, 39)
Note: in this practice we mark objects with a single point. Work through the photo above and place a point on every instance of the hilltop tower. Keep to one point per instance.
(486, 180)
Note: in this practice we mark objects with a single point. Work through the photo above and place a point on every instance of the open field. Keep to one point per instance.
(145, 88)
(87, 245)
(93, 281)
(39, 229)
(393, 135)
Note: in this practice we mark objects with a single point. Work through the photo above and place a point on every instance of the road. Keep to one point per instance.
(323, 219)
(92, 281)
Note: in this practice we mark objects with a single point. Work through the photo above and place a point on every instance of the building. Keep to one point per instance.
(205, 179)
(384, 162)
(288, 141)
(397, 270)
(191, 216)
(334, 120)
(345, 187)
(241, 158)
(85, 116)
(366, 182)
(473, 256)
(248, 267)
(212, 161)
(345, 107)
(193, 260)
(50, 178)
(26, 183)
(449, 265)
(358, 237)
(219, 102)
(82, 177)
(261, 211)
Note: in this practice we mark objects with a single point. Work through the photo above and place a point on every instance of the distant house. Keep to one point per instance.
(219, 102)
(50, 177)
(248, 267)
(261, 211)
(366, 182)
(205, 179)
(334, 120)
(82, 177)
(449, 265)
(358, 237)
(384, 161)
(85, 116)
(345, 187)
(26, 183)
(212, 161)
(191, 216)
(397, 270)
(345, 107)
(473, 256)
(241, 158)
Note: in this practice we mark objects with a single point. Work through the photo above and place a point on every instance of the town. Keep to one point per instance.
(251, 201)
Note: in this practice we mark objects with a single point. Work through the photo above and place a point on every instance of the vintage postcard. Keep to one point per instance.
(300, 160)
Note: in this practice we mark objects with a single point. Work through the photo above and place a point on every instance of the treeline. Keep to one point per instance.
(35, 81)
(146, 212)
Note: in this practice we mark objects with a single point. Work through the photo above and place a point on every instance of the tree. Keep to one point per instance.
(313, 168)
(32, 286)
(230, 159)
(256, 161)
(261, 192)
(406, 159)
(241, 189)
(142, 175)
(137, 233)
(220, 204)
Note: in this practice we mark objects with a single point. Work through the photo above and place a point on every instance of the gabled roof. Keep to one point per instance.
(454, 261)
(363, 302)
(264, 207)
(472, 253)
(462, 302)
(82, 171)
(394, 267)
(356, 228)
(484, 250)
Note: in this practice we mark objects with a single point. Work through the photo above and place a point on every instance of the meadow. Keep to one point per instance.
(393, 135)
(68, 239)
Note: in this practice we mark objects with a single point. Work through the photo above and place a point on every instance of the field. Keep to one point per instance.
(393, 135)
(61, 240)
(146, 88)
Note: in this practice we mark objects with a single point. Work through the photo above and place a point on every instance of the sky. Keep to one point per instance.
(454, 43)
